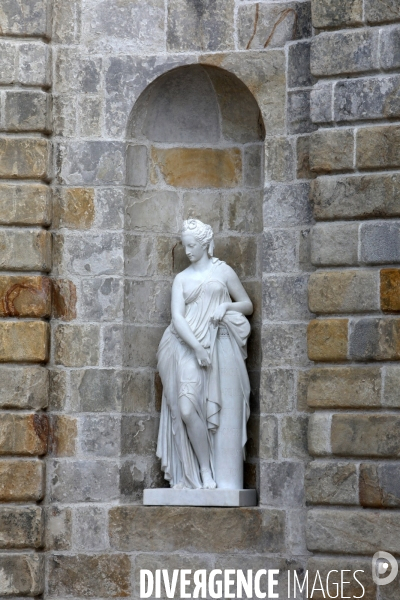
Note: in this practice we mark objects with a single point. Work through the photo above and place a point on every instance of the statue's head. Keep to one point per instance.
(201, 232)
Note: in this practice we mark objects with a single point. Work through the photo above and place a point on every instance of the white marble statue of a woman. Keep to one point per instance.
(201, 361)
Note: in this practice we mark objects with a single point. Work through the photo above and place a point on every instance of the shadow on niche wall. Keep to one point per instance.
(195, 147)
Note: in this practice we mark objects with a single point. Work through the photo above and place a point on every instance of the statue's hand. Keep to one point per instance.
(203, 357)
(219, 314)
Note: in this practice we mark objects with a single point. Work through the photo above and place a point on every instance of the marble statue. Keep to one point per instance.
(201, 361)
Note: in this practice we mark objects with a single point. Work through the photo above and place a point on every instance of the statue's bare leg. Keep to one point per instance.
(198, 439)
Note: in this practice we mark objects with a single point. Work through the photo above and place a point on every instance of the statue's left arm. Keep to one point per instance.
(241, 301)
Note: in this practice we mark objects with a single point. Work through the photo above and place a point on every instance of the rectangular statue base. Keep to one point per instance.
(218, 497)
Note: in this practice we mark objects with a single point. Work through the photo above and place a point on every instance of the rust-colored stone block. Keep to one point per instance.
(76, 208)
(62, 435)
(64, 300)
(24, 341)
(338, 292)
(24, 158)
(26, 435)
(328, 340)
(390, 290)
(25, 297)
(199, 167)
(21, 480)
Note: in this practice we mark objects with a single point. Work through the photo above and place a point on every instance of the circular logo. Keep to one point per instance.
(381, 562)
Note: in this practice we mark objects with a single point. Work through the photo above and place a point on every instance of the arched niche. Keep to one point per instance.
(195, 147)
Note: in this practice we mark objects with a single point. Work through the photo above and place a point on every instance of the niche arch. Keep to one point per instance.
(195, 148)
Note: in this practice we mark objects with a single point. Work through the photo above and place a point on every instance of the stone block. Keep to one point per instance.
(25, 297)
(24, 18)
(303, 170)
(65, 15)
(141, 343)
(102, 575)
(334, 244)
(147, 302)
(379, 486)
(328, 340)
(390, 290)
(83, 481)
(285, 298)
(199, 167)
(354, 585)
(9, 53)
(208, 207)
(133, 479)
(279, 159)
(136, 165)
(294, 437)
(353, 532)
(112, 345)
(336, 13)
(24, 387)
(138, 254)
(102, 299)
(25, 250)
(319, 434)
(25, 435)
(299, 74)
(200, 26)
(268, 438)
(63, 300)
(27, 111)
(344, 52)
(277, 391)
(369, 435)
(64, 111)
(62, 435)
(359, 196)
(24, 341)
(380, 242)
(23, 575)
(58, 528)
(253, 166)
(90, 528)
(238, 252)
(367, 98)
(287, 205)
(21, 480)
(282, 484)
(380, 11)
(331, 483)
(272, 26)
(27, 204)
(96, 390)
(139, 435)
(155, 211)
(284, 344)
(389, 48)
(34, 64)
(75, 209)
(335, 292)
(321, 102)
(24, 158)
(375, 339)
(76, 73)
(91, 163)
(109, 208)
(378, 147)
(57, 389)
(21, 527)
(100, 435)
(344, 387)
(76, 345)
(332, 150)
(298, 113)
(155, 529)
(280, 251)
(244, 213)
(390, 397)
(90, 115)
(93, 254)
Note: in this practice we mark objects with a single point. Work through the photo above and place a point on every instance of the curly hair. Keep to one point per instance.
(202, 233)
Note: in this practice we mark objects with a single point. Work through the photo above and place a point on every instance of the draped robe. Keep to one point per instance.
(181, 375)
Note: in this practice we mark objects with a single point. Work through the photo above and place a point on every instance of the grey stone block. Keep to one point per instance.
(200, 25)
(334, 244)
(298, 113)
(76, 345)
(89, 530)
(9, 53)
(101, 299)
(25, 249)
(100, 435)
(96, 390)
(336, 13)
(277, 390)
(139, 435)
(109, 208)
(155, 210)
(280, 251)
(284, 345)
(331, 483)
(112, 345)
(132, 480)
(76, 73)
(364, 339)
(381, 11)
(65, 115)
(391, 397)
(34, 64)
(66, 17)
(244, 211)
(23, 575)
(208, 207)
(268, 437)
(285, 298)
(299, 74)
(137, 391)
(344, 52)
(24, 387)
(58, 389)
(379, 485)
(136, 165)
(94, 254)
(321, 103)
(287, 205)
(24, 18)
(58, 528)
(147, 302)
(90, 113)
(252, 166)
(94, 162)
(390, 47)
(83, 481)
(21, 527)
(27, 111)
(279, 159)
(138, 254)
(380, 242)
(294, 441)
(140, 345)
(367, 98)
(282, 484)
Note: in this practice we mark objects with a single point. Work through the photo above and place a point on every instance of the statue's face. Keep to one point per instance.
(194, 250)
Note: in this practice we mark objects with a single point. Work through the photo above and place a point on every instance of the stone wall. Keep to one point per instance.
(353, 432)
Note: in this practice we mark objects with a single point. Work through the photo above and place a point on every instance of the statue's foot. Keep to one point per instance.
(179, 486)
(208, 481)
